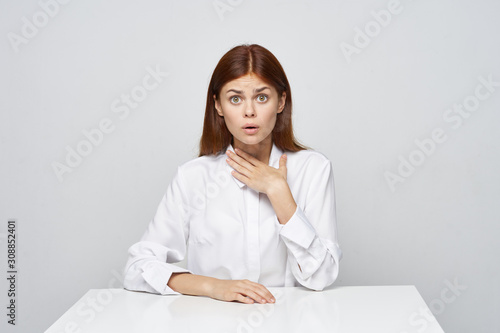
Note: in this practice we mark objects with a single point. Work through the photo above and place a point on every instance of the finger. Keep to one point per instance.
(240, 160)
(243, 299)
(265, 296)
(253, 294)
(241, 177)
(283, 161)
(238, 167)
(247, 156)
(282, 166)
(263, 291)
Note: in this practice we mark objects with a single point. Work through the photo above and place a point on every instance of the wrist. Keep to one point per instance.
(277, 188)
(207, 286)
(282, 200)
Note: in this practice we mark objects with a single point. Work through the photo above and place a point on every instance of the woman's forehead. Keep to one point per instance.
(246, 83)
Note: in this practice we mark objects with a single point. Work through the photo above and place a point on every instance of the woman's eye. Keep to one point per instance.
(235, 99)
(262, 98)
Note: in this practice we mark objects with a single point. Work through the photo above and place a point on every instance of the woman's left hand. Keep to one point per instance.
(256, 174)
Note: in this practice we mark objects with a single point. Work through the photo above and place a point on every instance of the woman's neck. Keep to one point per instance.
(261, 151)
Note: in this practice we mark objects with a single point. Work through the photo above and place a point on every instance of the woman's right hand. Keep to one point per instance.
(243, 291)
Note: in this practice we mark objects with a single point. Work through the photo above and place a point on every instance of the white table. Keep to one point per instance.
(384, 309)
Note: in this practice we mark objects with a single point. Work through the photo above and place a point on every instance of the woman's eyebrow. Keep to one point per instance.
(261, 89)
(241, 92)
(235, 91)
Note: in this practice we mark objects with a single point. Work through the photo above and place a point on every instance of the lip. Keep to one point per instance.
(250, 128)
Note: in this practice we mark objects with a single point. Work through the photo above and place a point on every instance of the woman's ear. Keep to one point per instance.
(281, 105)
(218, 107)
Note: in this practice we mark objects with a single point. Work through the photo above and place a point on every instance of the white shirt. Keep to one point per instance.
(229, 231)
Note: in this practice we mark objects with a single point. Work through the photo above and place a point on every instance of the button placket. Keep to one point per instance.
(253, 248)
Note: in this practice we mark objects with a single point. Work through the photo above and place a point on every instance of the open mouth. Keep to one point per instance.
(250, 128)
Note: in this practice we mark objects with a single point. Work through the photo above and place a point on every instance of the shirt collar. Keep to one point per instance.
(274, 159)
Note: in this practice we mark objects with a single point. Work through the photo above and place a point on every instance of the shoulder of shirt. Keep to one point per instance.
(308, 156)
(205, 161)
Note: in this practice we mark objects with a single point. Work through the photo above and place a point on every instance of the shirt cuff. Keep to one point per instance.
(298, 229)
(158, 274)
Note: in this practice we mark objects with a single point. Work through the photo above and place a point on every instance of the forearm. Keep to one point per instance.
(282, 201)
(244, 291)
(191, 284)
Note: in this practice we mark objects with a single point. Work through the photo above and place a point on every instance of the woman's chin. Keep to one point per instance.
(252, 140)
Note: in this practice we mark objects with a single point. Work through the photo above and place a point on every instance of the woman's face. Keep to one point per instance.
(249, 107)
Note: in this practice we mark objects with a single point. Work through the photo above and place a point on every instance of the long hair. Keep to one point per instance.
(237, 62)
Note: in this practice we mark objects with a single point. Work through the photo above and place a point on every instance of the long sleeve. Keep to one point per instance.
(207, 216)
(151, 261)
(311, 233)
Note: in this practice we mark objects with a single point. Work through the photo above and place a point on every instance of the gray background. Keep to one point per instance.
(437, 228)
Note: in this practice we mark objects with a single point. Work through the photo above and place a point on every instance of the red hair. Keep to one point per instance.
(237, 62)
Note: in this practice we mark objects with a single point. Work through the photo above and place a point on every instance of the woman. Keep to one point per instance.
(247, 215)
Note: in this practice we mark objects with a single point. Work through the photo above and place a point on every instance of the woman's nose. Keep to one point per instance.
(249, 110)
